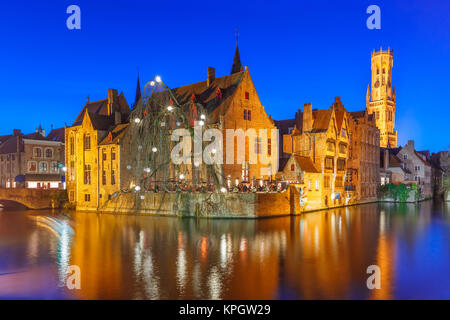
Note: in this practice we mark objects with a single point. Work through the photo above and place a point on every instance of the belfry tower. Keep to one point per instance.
(380, 100)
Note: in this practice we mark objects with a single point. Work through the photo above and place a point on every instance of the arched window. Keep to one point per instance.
(49, 153)
(38, 152)
(43, 166)
(292, 167)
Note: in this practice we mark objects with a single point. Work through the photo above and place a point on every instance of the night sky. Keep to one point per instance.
(297, 52)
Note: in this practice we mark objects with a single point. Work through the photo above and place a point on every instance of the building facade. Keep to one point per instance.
(363, 170)
(324, 138)
(381, 97)
(87, 159)
(98, 151)
(32, 160)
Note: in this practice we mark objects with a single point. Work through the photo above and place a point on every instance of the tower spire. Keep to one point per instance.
(138, 90)
(237, 66)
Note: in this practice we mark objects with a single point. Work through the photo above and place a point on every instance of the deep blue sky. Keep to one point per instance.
(297, 52)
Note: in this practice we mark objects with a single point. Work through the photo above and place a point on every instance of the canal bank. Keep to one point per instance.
(251, 205)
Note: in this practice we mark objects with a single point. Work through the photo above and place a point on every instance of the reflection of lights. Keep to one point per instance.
(214, 284)
(181, 269)
(382, 222)
(243, 245)
(204, 248)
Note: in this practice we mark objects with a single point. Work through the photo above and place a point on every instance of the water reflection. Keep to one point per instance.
(321, 255)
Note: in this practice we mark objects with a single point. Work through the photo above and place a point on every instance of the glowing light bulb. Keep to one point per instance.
(169, 108)
(181, 176)
(137, 120)
(223, 190)
(152, 83)
(178, 123)
(154, 149)
(142, 197)
(64, 169)
(128, 167)
(137, 188)
(158, 79)
(147, 170)
(196, 163)
(213, 151)
(203, 117)
(201, 122)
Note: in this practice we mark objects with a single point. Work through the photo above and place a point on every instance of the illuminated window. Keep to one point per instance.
(317, 185)
(43, 166)
(37, 152)
(32, 166)
(87, 174)
(258, 145)
(292, 167)
(247, 95)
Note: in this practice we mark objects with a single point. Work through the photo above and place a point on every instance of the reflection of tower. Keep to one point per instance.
(381, 101)
(385, 259)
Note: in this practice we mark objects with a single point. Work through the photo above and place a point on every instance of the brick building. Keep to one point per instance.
(32, 160)
(88, 163)
(323, 136)
(363, 176)
(97, 145)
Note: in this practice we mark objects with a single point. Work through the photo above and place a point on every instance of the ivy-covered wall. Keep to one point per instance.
(400, 193)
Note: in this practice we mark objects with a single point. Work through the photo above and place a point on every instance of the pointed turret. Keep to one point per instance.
(237, 66)
(138, 91)
(393, 93)
(368, 93)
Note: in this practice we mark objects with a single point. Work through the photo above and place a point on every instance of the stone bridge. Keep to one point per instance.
(32, 198)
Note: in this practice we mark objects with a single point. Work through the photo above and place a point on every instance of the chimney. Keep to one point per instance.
(112, 99)
(411, 145)
(211, 76)
(16, 132)
(307, 117)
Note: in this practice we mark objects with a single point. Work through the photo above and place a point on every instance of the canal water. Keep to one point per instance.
(321, 255)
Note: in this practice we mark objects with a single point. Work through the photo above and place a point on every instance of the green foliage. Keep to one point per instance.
(397, 192)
